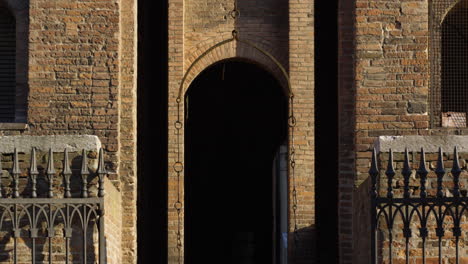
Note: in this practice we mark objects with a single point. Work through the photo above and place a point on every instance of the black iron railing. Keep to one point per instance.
(421, 215)
(31, 222)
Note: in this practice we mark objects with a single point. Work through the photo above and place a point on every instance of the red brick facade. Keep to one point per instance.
(80, 78)
(195, 26)
(384, 75)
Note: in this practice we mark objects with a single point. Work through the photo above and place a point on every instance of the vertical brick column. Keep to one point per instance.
(127, 128)
(391, 90)
(301, 70)
(346, 110)
(176, 66)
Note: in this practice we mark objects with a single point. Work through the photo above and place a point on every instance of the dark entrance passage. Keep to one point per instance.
(236, 120)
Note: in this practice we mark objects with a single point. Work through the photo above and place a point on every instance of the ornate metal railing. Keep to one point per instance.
(47, 225)
(427, 214)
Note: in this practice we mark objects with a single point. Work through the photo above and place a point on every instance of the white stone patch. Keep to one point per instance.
(58, 143)
(414, 143)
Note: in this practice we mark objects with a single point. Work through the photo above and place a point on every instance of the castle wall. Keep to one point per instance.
(284, 29)
(384, 61)
(81, 79)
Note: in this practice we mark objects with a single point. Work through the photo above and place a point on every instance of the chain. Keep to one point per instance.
(234, 13)
(178, 168)
(292, 164)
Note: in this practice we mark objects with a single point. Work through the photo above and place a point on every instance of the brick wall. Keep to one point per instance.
(301, 71)
(391, 90)
(113, 224)
(81, 80)
(283, 29)
(127, 128)
(384, 83)
(73, 70)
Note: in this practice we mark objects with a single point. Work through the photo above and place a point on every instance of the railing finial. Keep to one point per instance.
(50, 173)
(84, 175)
(456, 170)
(406, 172)
(390, 172)
(373, 172)
(440, 172)
(33, 172)
(422, 172)
(101, 171)
(66, 174)
(16, 173)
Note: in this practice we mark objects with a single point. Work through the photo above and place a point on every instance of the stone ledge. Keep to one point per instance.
(414, 143)
(13, 126)
(58, 143)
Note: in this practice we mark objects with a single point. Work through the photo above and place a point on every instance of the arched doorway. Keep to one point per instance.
(235, 122)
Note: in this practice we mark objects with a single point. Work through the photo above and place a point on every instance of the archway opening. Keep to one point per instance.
(235, 203)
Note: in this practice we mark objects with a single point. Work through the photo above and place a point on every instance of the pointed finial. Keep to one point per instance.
(101, 173)
(390, 172)
(84, 163)
(50, 164)
(456, 170)
(440, 172)
(374, 167)
(33, 172)
(101, 167)
(440, 162)
(16, 173)
(66, 174)
(456, 162)
(422, 162)
(66, 163)
(422, 171)
(50, 173)
(16, 167)
(406, 163)
(373, 172)
(84, 175)
(406, 172)
(33, 167)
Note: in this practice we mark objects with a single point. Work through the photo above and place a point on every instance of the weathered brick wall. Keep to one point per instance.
(391, 85)
(283, 29)
(81, 80)
(113, 224)
(127, 128)
(73, 70)
(389, 94)
(301, 72)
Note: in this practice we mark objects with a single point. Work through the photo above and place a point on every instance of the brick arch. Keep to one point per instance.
(448, 7)
(20, 10)
(233, 50)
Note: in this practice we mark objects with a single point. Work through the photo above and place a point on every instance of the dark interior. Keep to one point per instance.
(326, 129)
(235, 118)
(152, 141)
(152, 132)
(454, 61)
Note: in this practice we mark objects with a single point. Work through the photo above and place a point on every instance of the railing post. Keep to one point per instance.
(102, 238)
(373, 172)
